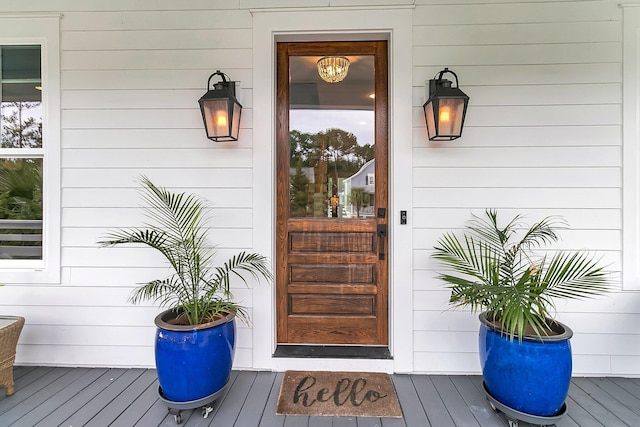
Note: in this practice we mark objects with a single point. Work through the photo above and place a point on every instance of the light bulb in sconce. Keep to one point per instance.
(445, 115)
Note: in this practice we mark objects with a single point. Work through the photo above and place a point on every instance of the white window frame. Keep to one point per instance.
(43, 30)
(371, 179)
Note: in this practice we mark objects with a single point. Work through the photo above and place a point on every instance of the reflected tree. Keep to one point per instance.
(359, 198)
(299, 192)
(20, 189)
(19, 129)
(334, 154)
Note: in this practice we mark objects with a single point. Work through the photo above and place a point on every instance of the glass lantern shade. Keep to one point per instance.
(445, 110)
(221, 112)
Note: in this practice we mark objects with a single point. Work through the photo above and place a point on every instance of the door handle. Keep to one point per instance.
(382, 234)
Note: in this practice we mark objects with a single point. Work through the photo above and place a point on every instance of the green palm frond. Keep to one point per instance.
(496, 269)
(178, 229)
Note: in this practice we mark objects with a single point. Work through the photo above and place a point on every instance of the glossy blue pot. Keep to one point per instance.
(193, 361)
(531, 376)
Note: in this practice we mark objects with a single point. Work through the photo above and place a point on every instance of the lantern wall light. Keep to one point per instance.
(220, 109)
(445, 109)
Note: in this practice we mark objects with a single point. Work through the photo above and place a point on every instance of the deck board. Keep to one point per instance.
(257, 400)
(97, 397)
(430, 399)
(595, 408)
(469, 388)
(269, 417)
(412, 409)
(61, 396)
(454, 402)
(579, 415)
(80, 399)
(37, 399)
(124, 401)
(612, 404)
(94, 407)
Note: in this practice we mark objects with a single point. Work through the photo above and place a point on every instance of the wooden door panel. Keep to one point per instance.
(332, 289)
(332, 273)
(335, 304)
(331, 282)
(301, 242)
(331, 329)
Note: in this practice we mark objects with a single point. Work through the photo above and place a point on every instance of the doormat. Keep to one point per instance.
(354, 394)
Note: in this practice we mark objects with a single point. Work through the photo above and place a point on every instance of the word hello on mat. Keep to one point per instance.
(346, 390)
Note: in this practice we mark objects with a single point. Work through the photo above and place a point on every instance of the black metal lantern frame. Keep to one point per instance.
(220, 109)
(446, 108)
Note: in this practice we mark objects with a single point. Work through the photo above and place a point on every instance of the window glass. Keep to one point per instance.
(21, 153)
(332, 143)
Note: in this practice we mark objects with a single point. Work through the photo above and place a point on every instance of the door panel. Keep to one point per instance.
(331, 270)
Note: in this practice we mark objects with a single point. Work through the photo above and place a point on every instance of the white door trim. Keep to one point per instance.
(394, 24)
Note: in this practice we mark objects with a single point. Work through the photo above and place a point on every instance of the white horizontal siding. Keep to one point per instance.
(128, 257)
(531, 177)
(114, 5)
(133, 217)
(149, 158)
(517, 156)
(531, 54)
(146, 139)
(512, 13)
(524, 33)
(202, 177)
(448, 219)
(543, 137)
(584, 198)
(227, 237)
(535, 136)
(137, 20)
(131, 77)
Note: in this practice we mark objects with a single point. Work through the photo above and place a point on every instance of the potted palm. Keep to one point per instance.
(502, 271)
(195, 337)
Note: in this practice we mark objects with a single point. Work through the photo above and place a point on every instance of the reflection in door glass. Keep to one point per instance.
(331, 128)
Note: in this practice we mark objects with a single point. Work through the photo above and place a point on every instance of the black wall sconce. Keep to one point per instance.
(221, 110)
(445, 109)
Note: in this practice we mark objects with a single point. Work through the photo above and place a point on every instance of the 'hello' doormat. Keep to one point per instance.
(354, 394)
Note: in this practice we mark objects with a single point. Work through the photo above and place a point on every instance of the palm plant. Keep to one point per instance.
(197, 290)
(497, 269)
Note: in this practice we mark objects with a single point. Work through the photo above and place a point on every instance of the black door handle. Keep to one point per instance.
(382, 234)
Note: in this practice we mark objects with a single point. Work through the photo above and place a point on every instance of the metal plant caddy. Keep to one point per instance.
(513, 416)
(176, 408)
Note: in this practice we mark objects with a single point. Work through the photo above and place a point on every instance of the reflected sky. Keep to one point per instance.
(358, 122)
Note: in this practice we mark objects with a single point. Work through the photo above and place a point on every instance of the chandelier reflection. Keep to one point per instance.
(333, 69)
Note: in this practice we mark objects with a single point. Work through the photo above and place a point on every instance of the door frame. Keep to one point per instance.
(320, 24)
(286, 322)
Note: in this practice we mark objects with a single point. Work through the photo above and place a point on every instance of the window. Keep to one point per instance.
(371, 179)
(29, 149)
(21, 152)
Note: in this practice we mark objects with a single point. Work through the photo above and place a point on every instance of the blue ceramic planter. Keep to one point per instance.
(531, 376)
(193, 362)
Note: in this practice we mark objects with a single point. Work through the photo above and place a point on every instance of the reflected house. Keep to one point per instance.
(358, 192)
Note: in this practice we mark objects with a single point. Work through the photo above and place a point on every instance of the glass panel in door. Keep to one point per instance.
(332, 144)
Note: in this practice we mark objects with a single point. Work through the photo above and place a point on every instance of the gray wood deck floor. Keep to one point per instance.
(74, 397)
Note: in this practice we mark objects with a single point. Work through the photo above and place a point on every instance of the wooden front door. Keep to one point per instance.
(332, 194)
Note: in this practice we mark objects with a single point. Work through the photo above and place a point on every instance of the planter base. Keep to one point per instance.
(176, 408)
(513, 416)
